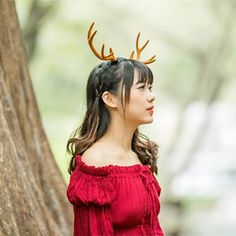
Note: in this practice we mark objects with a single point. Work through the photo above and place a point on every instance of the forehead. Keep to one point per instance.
(140, 78)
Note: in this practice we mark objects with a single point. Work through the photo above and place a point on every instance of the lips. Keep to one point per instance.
(150, 108)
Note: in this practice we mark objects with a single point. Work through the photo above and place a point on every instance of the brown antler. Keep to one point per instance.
(101, 55)
(139, 50)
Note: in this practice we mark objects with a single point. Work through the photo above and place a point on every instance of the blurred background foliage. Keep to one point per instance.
(195, 115)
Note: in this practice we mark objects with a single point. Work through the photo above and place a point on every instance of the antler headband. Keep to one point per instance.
(111, 55)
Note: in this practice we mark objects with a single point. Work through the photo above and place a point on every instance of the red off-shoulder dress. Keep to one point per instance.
(114, 200)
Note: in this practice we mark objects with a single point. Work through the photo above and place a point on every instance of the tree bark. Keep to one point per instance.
(33, 192)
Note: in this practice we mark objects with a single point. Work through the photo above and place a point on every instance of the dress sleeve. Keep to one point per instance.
(91, 192)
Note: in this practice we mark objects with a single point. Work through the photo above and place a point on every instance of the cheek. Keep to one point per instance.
(134, 95)
(136, 103)
(137, 97)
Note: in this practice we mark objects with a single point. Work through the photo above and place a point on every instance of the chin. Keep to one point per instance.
(150, 121)
(147, 121)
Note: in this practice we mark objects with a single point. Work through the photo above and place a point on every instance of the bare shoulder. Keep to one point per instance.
(95, 156)
(103, 154)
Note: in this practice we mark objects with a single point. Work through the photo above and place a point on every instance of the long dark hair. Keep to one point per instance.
(111, 76)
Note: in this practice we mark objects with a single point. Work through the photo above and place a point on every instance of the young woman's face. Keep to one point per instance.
(141, 98)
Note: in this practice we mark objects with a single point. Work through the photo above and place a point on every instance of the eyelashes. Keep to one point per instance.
(150, 88)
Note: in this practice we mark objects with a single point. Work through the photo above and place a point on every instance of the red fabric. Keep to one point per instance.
(114, 200)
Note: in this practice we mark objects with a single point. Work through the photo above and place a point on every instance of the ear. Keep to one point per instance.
(109, 99)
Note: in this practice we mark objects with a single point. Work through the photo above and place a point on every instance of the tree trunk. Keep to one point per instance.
(33, 192)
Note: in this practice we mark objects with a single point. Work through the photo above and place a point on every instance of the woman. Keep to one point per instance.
(112, 185)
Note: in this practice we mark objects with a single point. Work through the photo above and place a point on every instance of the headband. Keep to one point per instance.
(111, 56)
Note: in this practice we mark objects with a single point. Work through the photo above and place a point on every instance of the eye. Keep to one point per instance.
(142, 87)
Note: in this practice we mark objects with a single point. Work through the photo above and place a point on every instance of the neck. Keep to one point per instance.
(120, 133)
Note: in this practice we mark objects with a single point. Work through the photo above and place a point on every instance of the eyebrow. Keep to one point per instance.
(140, 82)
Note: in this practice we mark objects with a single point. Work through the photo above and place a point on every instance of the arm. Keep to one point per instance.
(93, 220)
(91, 192)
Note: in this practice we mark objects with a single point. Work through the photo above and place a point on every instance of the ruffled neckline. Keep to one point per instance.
(107, 169)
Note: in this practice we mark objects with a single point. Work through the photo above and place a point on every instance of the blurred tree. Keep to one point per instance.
(211, 80)
(37, 15)
(32, 197)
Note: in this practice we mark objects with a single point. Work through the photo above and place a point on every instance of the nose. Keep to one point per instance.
(151, 97)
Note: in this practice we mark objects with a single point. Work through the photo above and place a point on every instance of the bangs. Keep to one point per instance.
(126, 70)
(144, 73)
